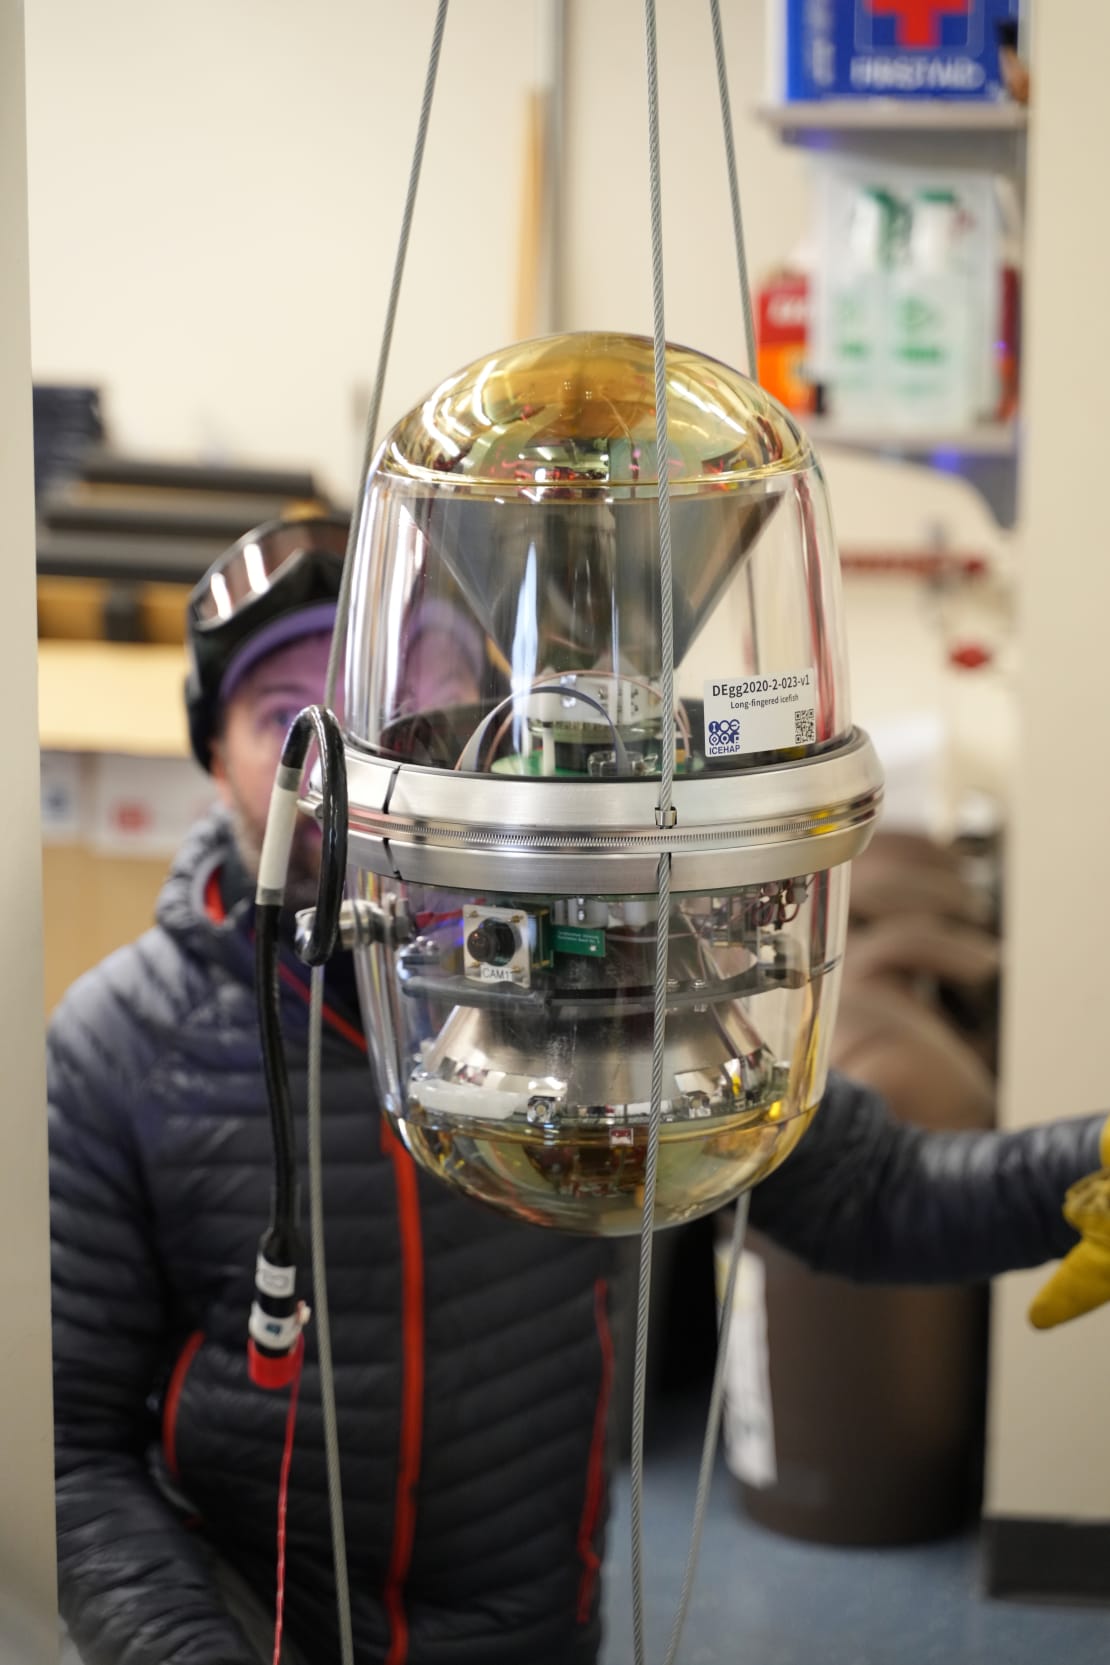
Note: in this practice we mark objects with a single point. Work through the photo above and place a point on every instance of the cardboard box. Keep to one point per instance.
(144, 806)
(110, 827)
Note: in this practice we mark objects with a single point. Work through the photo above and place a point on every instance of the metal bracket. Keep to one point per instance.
(360, 924)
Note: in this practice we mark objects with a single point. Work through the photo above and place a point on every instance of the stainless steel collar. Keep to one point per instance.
(470, 832)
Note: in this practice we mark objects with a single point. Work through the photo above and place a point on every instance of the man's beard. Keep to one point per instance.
(303, 876)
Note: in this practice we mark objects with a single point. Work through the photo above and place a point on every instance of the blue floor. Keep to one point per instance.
(765, 1600)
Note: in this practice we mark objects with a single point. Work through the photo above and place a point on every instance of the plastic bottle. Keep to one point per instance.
(1006, 367)
(782, 335)
(932, 386)
(859, 314)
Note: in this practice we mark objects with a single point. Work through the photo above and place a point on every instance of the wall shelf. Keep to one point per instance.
(986, 457)
(893, 115)
(990, 439)
(935, 131)
(929, 132)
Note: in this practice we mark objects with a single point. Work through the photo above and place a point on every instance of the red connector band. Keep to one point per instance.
(268, 1372)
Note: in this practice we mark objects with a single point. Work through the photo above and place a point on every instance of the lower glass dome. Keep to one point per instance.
(512, 1042)
(581, 1181)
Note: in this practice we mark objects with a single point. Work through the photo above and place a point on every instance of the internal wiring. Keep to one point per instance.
(682, 718)
(470, 756)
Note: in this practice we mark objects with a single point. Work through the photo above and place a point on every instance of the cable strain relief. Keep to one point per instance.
(272, 1371)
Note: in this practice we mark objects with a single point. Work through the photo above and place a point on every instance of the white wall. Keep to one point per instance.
(28, 1628)
(215, 197)
(1050, 1449)
(216, 192)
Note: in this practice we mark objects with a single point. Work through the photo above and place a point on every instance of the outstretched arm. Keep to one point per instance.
(871, 1199)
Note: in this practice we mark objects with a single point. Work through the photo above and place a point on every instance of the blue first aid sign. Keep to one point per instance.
(895, 48)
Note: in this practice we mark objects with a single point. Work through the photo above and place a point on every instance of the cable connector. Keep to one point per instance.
(277, 1320)
(666, 818)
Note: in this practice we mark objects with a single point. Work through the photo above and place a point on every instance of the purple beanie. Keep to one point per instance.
(317, 620)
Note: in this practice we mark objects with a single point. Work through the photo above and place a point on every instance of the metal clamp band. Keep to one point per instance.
(438, 827)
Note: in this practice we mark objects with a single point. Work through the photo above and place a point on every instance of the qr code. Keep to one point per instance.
(805, 729)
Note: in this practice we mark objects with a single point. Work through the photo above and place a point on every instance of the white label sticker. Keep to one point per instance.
(749, 1417)
(760, 713)
(275, 1280)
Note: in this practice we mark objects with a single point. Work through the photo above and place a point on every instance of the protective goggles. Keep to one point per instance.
(264, 560)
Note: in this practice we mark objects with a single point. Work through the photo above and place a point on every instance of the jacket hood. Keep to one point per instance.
(209, 849)
(223, 936)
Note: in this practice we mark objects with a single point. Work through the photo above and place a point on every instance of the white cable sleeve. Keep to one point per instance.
(273, 864)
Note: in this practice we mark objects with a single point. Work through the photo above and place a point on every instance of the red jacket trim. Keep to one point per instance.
(595, 1473)
(412, 1323)
(173, 1399)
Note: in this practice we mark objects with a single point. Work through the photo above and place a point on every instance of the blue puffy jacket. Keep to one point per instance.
(473, 1356)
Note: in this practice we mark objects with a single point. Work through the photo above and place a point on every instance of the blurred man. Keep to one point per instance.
(473, 1356)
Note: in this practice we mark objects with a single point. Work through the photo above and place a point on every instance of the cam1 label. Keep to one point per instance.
(764, 713)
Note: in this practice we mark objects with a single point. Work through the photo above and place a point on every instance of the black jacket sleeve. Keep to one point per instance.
(134, 1587)
(871, 1199)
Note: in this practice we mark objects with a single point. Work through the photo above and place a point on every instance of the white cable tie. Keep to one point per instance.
(278, 1281)
(278, 1334)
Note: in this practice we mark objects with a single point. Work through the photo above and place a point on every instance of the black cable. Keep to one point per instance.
(316, 722)
(279, 1243)
(274, 1324)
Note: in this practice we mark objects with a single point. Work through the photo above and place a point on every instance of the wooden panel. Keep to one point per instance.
(112, 697)
(72, 609)
(92, 905)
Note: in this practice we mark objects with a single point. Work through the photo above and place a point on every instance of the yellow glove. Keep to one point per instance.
(1081, 1282)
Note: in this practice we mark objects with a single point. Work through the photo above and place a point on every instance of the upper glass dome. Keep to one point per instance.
(506, 608)
(579, 410)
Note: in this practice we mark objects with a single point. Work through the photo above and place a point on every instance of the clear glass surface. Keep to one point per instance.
(506, 620)
(513, 1041)
(506, 604)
